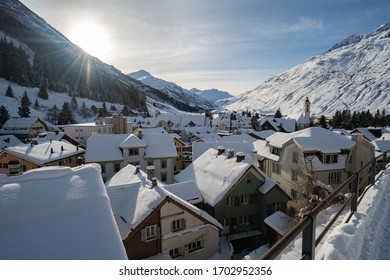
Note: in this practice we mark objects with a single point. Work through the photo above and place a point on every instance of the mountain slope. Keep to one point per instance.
(172, 90)
(353, 74)
(218, 97)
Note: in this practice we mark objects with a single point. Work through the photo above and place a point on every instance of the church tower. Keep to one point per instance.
(306, 108)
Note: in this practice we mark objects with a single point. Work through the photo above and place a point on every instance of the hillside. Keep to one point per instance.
(353, 74)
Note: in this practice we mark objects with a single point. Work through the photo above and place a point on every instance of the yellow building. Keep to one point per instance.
(31, 156)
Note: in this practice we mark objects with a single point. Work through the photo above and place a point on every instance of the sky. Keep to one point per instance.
(231, 45)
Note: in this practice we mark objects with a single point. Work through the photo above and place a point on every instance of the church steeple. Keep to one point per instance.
(306, 108)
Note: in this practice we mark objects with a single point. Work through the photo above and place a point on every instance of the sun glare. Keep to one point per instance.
(92, 38)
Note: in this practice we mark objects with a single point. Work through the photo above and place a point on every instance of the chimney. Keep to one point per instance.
(137, 168)
(14, 167)
(254, 157)
(51, 150)
(221, 150)
(150, 171)
(62, 148)
(240, 156)
(154, 182)
(230, 153)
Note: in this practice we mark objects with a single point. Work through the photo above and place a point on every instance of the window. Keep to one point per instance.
(175, 253)
(330, 158)
(164, 163)
(294, 175)
(150, 233)
(194, 246)
(276, 206)
(4, 165)
(244, 199)
(293, 194)
(334, 177)
(244, 220)
(133, 152)
(178, 224)
(164, 177)
(295, 157)
(117, 167)
(276, 151)
(226, 222)
(230, 201)
(150, 162)
(275, 168)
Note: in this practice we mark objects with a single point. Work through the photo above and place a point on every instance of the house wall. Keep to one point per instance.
(137, 249)
(83, 132)
(195, 229)
(36, 128)
(247, 185)
(27, 165)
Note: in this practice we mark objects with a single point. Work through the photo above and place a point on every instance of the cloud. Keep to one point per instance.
(302, 25)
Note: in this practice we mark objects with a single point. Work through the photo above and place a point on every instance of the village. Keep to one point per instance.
(170, 186)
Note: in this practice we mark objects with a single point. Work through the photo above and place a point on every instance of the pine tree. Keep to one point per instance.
(85, 112)
(322, 121)
(9, 92)
(52, 115)
(278, 113)
(73, 103)
(43, 92)
(125, 111)
(4, 115)
(24, 109)
(36, 105)
(66, 115)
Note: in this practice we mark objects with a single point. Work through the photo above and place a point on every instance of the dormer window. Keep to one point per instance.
(329, 158)
(276, 151)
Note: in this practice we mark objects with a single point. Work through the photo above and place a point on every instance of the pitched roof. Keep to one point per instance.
(9, 141)
(57, 213)
(159, 146)
(45, 152)
(215, 175)
(132, 203)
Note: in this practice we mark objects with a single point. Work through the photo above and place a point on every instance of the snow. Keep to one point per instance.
(132, 203)
(366, 236)
(42, 153)
(104, 147)
(354, 77)
(57, 213)
(9, 141)
(159, 146)
(280, 222)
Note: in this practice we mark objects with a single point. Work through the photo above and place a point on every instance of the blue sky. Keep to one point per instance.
(232, 45)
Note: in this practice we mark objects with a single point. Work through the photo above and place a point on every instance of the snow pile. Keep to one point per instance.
(57, 213)
(366, 236)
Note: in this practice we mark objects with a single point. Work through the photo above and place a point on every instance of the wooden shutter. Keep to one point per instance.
(182, 224)
(143, 234)
(237, 201)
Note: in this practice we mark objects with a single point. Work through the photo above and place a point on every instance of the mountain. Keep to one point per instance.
(353, 74)
(218, 97)
(172, 90)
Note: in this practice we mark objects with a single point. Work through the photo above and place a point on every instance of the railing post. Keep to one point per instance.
(355, 193)
(384, 160)
(309, 239)
(373, 172)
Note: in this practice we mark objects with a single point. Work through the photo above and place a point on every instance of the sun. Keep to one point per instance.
(92, 38)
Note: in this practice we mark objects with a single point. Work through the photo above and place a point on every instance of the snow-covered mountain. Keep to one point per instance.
(218, 97)
(205, 99)
(353, 74)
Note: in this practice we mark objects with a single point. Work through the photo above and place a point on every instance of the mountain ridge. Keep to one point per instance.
(350, 75)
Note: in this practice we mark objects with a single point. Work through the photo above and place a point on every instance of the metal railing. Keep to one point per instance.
(307, 226)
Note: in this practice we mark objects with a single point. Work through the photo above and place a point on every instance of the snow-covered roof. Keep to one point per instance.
(21, 123)
(9, 141)
(215, 175)
(45, 152)
(313, 139)
(57, 213)
(186, 190)
(381, 145)
(132, 141)
(159, 146)
(237, 138)
(287, 124)
(132, 203)
(198, 148)
(279, 222)
(263, 134)
(104, 147)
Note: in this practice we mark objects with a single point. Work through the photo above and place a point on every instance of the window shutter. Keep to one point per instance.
(182, 224)
(143, 234)
(237, 201)
(158, 232)
(172, 225)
